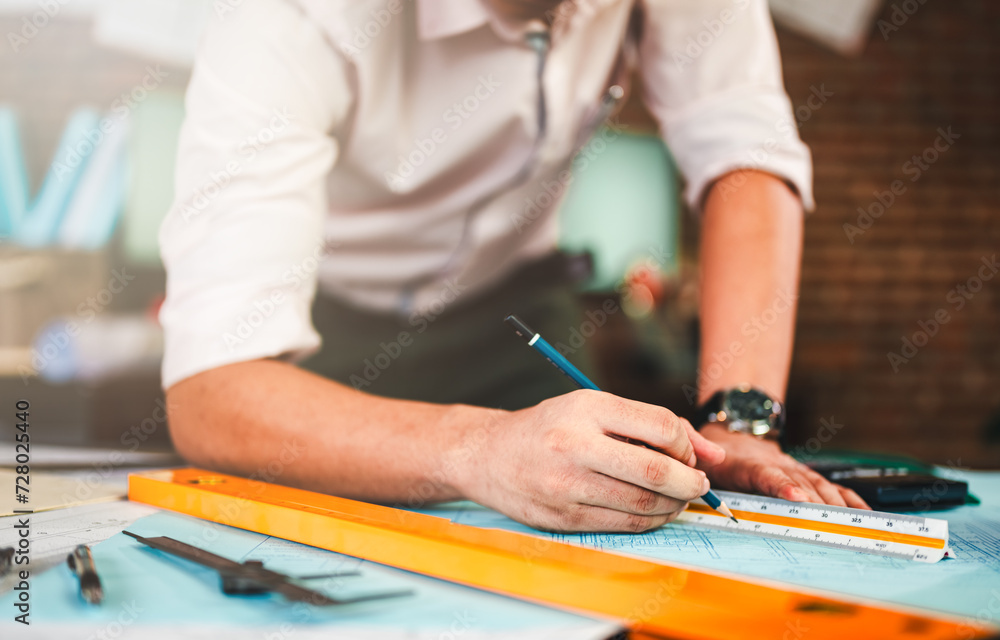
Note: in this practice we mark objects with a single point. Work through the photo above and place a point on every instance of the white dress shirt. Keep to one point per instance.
(389, 151)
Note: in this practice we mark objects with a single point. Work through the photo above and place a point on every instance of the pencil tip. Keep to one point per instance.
(723, 508)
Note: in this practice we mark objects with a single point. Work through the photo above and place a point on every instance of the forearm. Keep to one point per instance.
(277, 422)
(750, 253)
(551, 466)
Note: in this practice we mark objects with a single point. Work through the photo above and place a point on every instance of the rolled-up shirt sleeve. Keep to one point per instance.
(243, 239)
(712, 78)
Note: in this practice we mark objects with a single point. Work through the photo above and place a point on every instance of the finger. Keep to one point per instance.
(705, 450)
(805, 484)
(773, 481)
(852, 498)
(827, 490)
(587, 518)
(656, 426)
(599, 490)
(645, 468)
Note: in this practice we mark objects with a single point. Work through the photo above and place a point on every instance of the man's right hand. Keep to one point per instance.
(554, 466)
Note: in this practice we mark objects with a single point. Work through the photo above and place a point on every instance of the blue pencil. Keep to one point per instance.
(539, 344)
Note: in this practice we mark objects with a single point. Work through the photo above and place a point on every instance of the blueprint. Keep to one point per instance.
(151, 595)
(968, 585)
(163, 597)
(54, 534)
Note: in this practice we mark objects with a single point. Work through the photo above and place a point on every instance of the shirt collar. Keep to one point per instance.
(443, 18)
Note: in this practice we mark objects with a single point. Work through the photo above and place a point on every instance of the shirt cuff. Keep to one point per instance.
(745, 129)
(271, 324)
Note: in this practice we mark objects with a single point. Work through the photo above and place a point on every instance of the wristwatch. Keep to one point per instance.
(744, 409)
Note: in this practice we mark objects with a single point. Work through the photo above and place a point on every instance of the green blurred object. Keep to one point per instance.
(623, 206)
(156, 124)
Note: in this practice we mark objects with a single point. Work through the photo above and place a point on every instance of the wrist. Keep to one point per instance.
(462, 461)
(705, 392)
(719, 434)
(744, 409)
(714, 431)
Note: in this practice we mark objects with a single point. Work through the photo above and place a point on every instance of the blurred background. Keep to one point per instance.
(898, 335)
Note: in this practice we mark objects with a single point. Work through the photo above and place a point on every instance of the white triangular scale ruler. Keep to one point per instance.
(886, 534)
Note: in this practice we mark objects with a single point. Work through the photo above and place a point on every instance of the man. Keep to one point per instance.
(387, 152)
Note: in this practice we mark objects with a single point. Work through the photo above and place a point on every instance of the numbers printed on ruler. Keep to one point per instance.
(889, 534)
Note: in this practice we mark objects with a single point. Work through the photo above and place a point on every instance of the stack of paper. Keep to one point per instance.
(50, 491)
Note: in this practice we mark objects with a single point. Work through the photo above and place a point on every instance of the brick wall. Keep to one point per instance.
(938, 71)
(865, 118)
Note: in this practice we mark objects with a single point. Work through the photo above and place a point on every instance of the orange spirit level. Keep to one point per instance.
(652, 599)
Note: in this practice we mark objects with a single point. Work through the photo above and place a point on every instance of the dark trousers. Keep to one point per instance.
(466, 354)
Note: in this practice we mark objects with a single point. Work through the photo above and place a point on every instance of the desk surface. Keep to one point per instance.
(968, 585)
(174, 596)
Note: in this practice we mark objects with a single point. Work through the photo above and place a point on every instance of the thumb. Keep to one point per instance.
(705, 450)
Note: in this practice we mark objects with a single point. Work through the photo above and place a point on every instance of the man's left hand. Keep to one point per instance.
(759, 466)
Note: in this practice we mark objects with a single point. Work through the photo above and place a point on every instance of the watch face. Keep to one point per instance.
(749, 406)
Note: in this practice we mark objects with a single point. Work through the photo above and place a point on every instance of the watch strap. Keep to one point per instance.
(703, 414)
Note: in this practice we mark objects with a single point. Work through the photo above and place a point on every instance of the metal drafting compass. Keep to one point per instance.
(251, 578)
